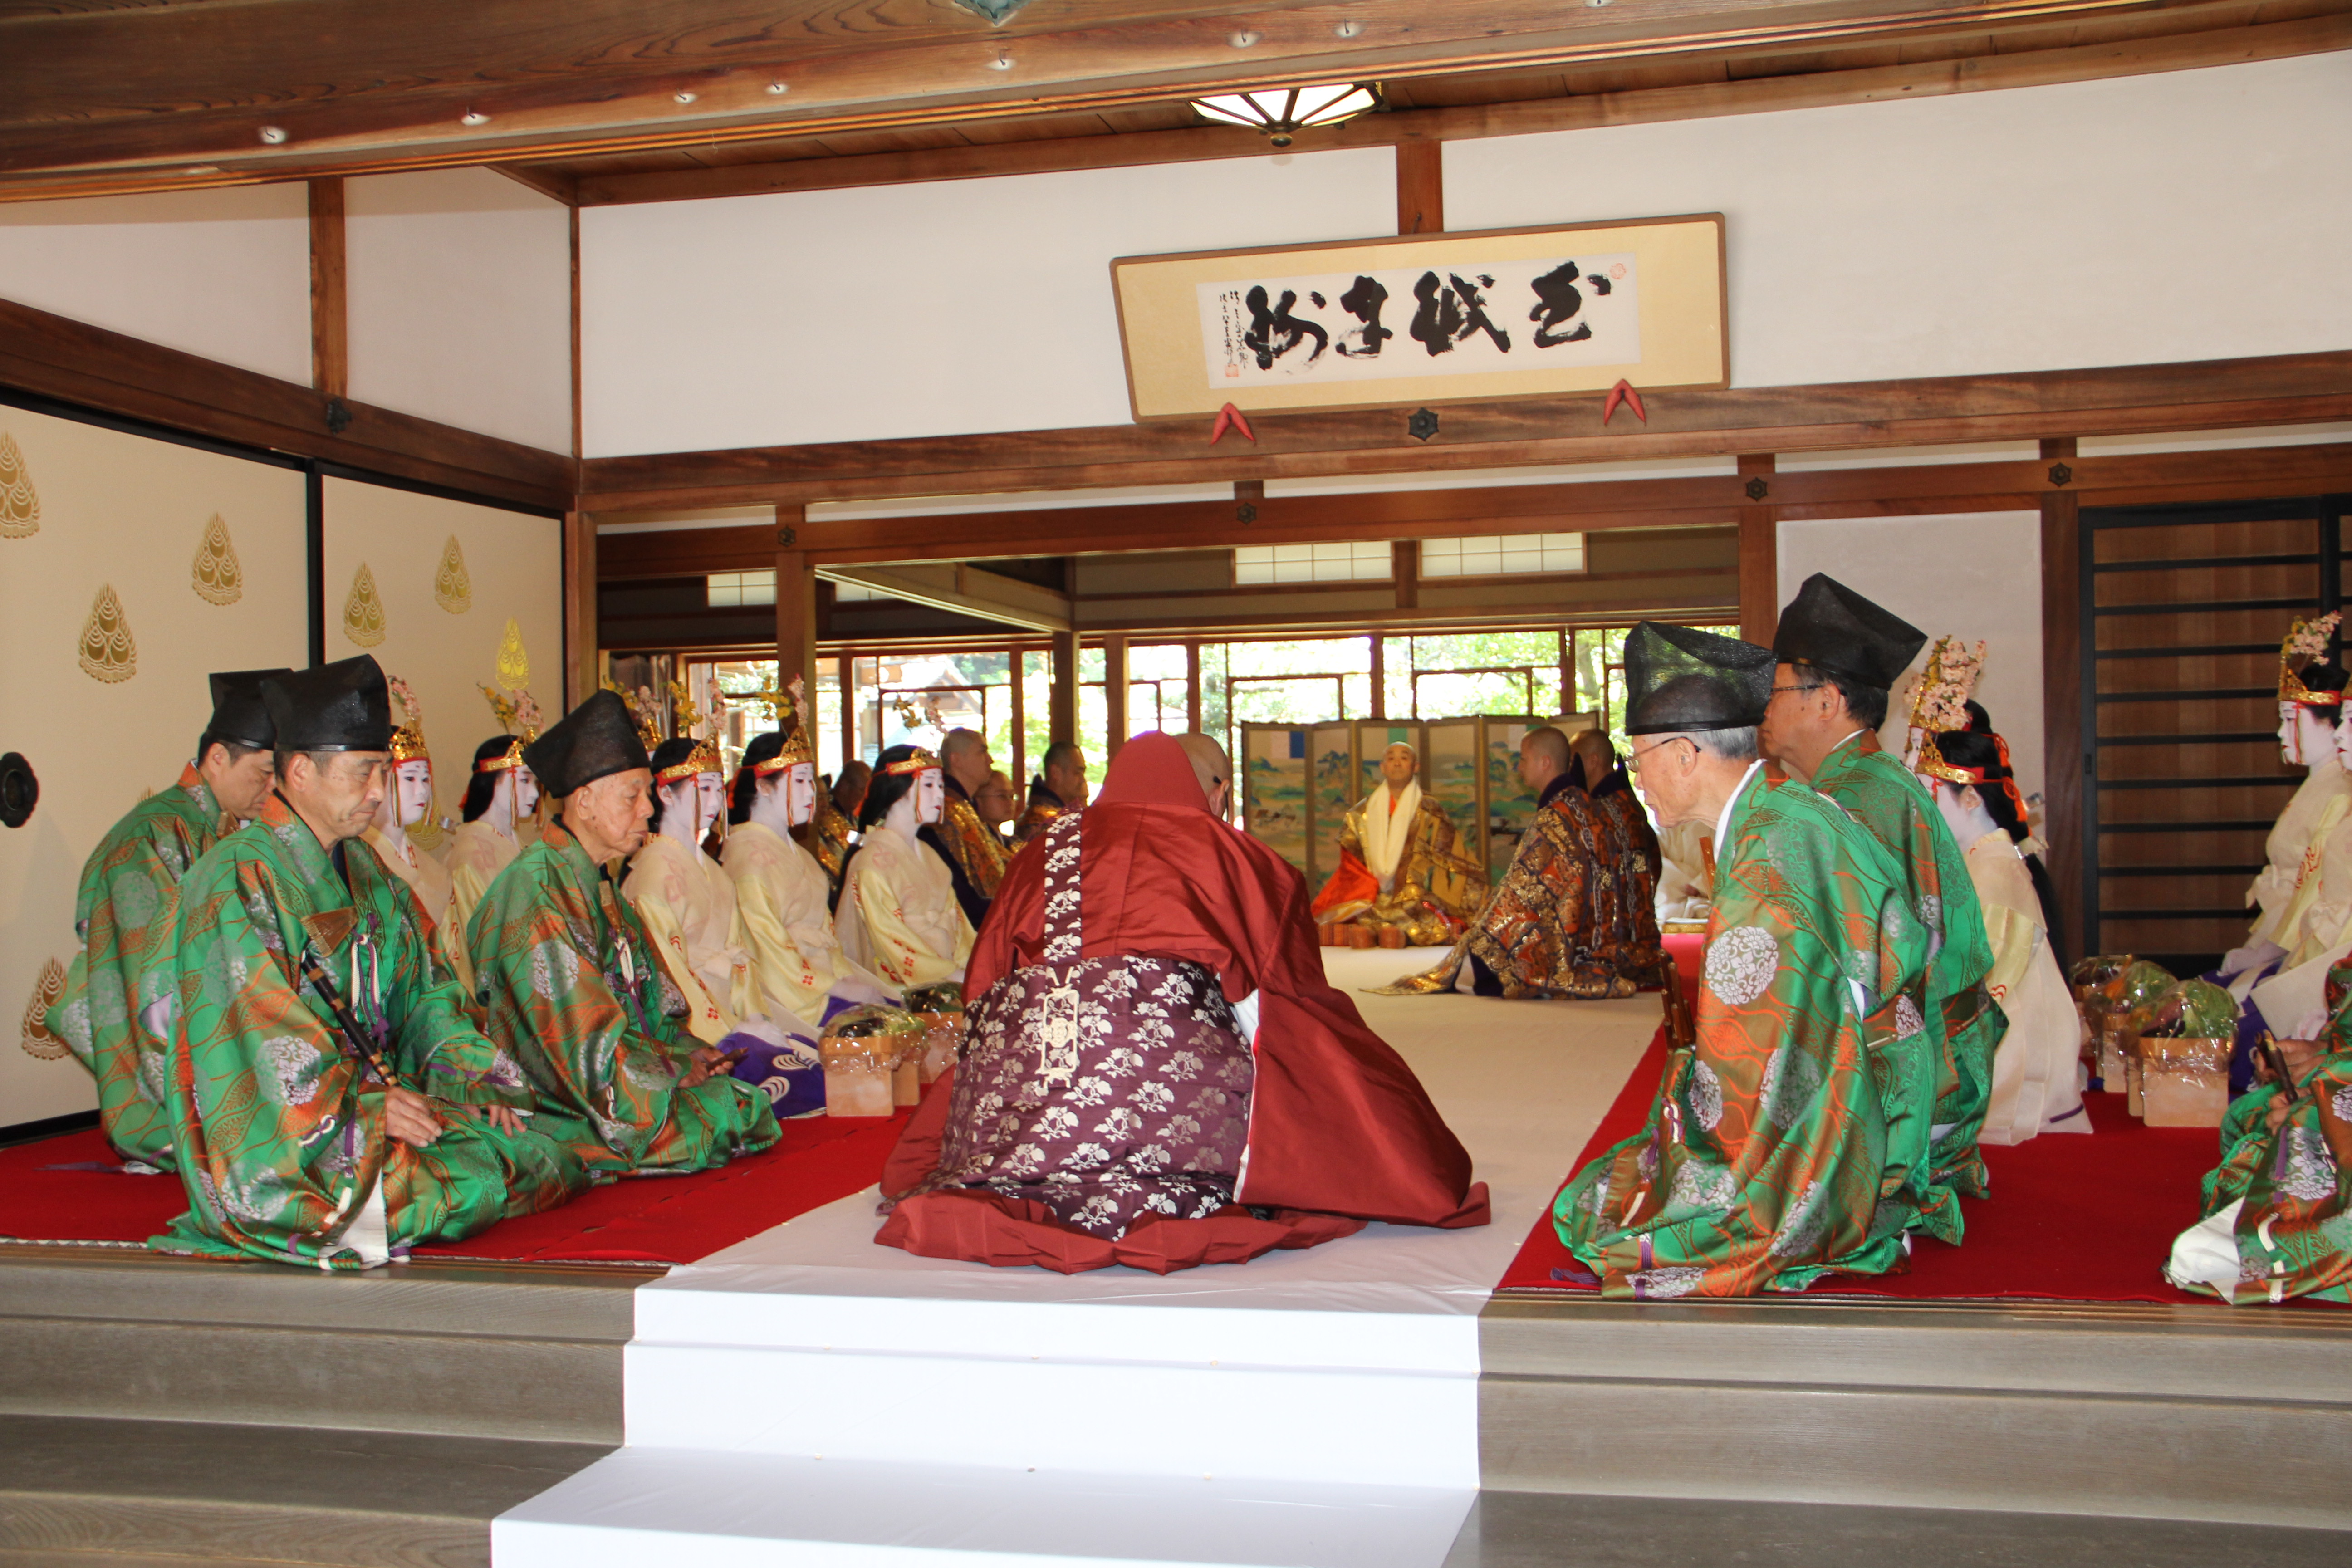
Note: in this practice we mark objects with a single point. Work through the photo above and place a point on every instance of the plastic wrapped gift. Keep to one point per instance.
(1392, 936)
(863, 1050)
(939, 1009)
(2184, 1081)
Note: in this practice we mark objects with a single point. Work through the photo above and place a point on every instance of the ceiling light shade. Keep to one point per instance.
(1279, 112)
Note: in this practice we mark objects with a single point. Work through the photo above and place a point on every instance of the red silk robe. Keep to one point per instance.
(1340, 1129)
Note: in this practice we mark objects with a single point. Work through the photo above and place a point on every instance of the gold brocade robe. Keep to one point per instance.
(1044, 806)
(687, 905)
(973, 852)
(827, 839)
(430, 881)
(1436, 887)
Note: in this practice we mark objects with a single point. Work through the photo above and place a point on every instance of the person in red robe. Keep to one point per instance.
(1157, 1074)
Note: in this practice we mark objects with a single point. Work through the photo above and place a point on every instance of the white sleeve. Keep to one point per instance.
(1246, 1017)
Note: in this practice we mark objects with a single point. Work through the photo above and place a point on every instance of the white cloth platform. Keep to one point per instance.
(806, 1396)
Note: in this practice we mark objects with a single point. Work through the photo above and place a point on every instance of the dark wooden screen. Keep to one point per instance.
(2183, 609)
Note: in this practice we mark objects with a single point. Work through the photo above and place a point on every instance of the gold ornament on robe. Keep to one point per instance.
(20, 508)
(38, 1040)
(452, 590)
(108, 653)
(514, 665)
(216, 577)
(363, 610)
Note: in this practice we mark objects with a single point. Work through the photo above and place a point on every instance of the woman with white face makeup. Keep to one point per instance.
(2316, 928)
(2311, 694)
(408, 799)
(898, 915)
(782, 892)
(500, 811)
(687, 902)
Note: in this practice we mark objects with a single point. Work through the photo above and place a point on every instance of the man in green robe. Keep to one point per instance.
(570, 982)
(109, 1012)
(1764, 1165)
(1839, 655)
(333, 1099)
(2278, 1208)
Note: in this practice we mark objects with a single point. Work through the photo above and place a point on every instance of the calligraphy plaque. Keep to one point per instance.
(1522, 312)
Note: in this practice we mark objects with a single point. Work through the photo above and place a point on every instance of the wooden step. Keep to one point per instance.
(2235, 1417)
(1551, 1529)
(190, 1490)
(482, 1351)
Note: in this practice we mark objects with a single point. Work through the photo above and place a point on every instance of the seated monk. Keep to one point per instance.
(1060, 785)
(1156, 1073)
(1766, 1162)
(1576, 914)
(333, 1096)
(974, 854)
(1398, 862)
(2278, 1208)
(1605, 780)
(571, 984)
(994, 802)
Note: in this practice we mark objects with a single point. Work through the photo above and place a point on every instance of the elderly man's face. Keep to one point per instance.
(994, 801)
(1398, 765)
(341, 795)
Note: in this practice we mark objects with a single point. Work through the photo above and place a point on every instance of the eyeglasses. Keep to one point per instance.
(1777, 689)
(1635, 758)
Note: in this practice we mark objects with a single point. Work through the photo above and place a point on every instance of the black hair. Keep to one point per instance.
(1866, 704)
(1988, 753)
(479, 786)
(1056, 754)
(747, 783)
(238, 750)
(2328, 676)
(668, 754)
(1980, 722)
(887, 789)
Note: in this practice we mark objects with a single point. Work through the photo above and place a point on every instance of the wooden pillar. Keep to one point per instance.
(330, 350)
(1114, 695)
(850, 750)
(1379, 707)
(795, 603)
(2068, 761)
(582, 659)
(1061, 714)
(1759, 551)
(1020, 727)
(1192, 684)
(1421, 187)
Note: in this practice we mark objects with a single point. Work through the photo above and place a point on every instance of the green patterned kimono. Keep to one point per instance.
(567, 975)
(279, 1122)
(116, 991)
(2294, 1223)
(1764, 1165)
(1888, 799)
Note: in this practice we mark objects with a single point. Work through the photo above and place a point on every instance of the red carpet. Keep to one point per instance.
(645, 1219)
(2072, 1218)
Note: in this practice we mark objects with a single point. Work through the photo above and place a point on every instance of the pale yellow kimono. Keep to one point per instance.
(898, 915)
(2291, 849)
(779, 894)
(687, 905)
(2034, 1085)
(2315, 927)
(476, 854)
(430, 881)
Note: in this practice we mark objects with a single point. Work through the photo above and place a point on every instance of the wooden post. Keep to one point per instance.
(795, 603)
(1379, 706)
(1020, 726)
(1062, 715)
(850, 750)
(1421, 187)
(330, 341)
(1192, 684)
(1114, 695)
(2068, 766)
(1759, 552)
(584, 660)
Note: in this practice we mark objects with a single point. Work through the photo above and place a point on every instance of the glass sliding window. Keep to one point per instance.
(1502, 554)
(1354, 561)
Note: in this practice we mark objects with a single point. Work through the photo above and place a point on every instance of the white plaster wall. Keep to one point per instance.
(459, 289)
(224, 273)
(954, 307)
(1974, 574)
(2191, 215)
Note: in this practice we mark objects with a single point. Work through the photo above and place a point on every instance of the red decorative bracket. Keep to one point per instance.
(1624, 392)
(1231, 419)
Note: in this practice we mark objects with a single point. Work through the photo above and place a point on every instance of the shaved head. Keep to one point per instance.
(961, 744)
(1211, 765)
(1548, 744)
(1592, 748)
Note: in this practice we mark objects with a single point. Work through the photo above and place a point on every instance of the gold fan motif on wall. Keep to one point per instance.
(217, 578)
(363, 610)
(452, 590)
(20, 508)
(38, 1040)
(108, 653)
(514, 665)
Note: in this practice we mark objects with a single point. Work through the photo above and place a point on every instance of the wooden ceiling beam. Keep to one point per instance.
(1755, 95)
(2285, 389)
(186, 95)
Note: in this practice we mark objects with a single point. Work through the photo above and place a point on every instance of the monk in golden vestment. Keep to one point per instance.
(1399, 865)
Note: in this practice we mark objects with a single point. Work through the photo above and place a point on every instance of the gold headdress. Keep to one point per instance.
(640, 704)
(1940, 706)
(704, 758)
(921, 762)
(2305, 646)
(518, 716)
(408, 741)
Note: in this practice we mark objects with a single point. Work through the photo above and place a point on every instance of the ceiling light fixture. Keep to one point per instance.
(473, 117)
(1281, 113)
